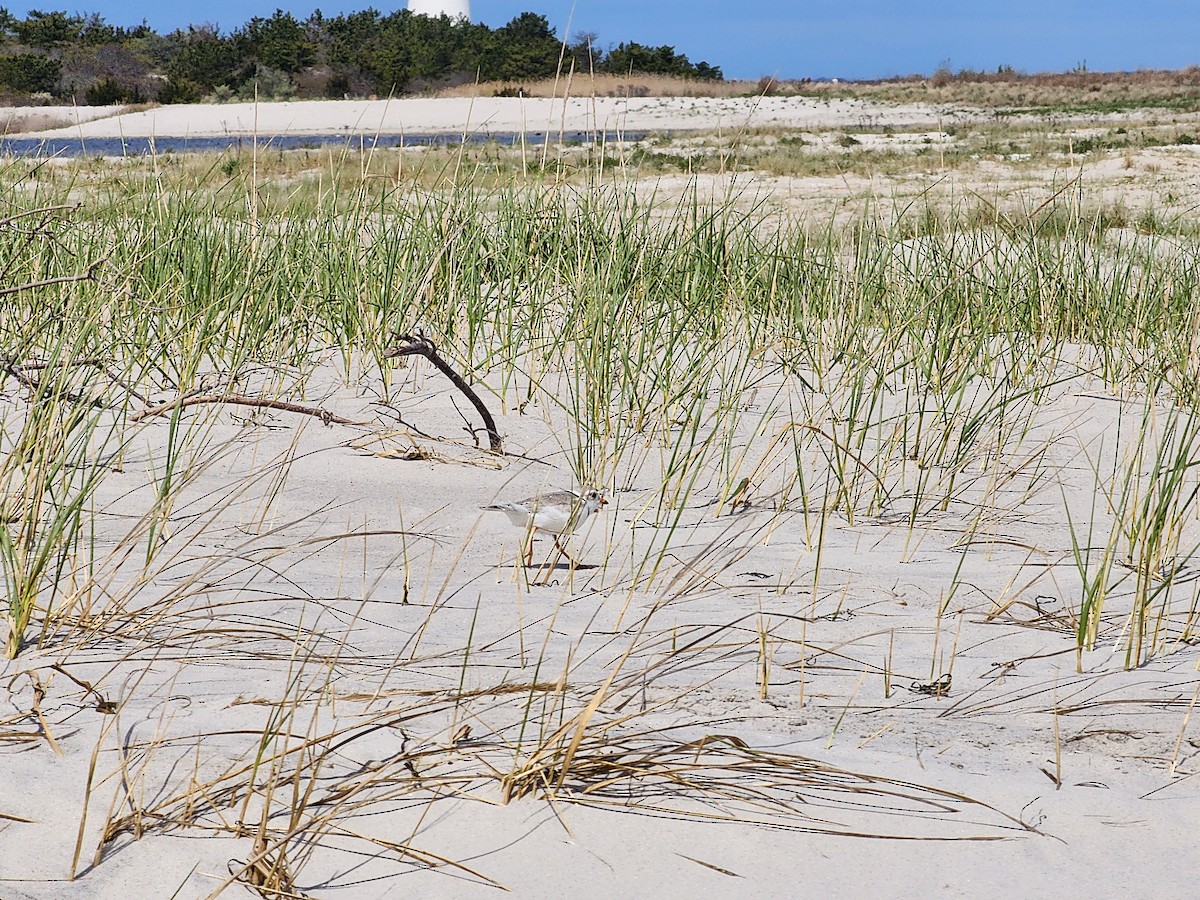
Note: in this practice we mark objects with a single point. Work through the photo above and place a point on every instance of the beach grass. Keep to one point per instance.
(732, 375)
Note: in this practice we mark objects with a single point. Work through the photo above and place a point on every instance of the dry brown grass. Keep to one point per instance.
(1174, 88)
(23, 119)
(584, 85)
(1178, 89)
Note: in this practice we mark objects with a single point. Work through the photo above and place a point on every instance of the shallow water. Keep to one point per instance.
(141, 146)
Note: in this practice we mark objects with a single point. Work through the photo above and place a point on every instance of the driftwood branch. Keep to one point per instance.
(26, 375)
(237, 400)
(419, 345)
(21, 372)
(43, 210)
(86, 275)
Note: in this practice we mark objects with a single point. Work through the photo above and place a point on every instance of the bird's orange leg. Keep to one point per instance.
(563, 550)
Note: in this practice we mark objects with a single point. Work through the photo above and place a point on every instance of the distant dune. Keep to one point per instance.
(480, 115)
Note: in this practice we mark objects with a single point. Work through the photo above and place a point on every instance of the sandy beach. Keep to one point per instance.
(480, 116)
(845, 686)
(819, 681)
(508, 115)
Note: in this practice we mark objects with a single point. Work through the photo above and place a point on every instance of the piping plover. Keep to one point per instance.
(557, 513)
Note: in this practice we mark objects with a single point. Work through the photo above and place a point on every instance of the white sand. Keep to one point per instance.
(198, 686)
(496, 115)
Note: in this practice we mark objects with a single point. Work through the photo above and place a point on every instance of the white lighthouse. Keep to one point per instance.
(455, 9)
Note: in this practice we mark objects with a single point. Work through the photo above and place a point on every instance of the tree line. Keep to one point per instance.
(83, 59)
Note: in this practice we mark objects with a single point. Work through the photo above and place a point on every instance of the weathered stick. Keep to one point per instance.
(22, 372)
(419, 345)
(8, 366)
(87, 275)
(236, 400)
(8, 220)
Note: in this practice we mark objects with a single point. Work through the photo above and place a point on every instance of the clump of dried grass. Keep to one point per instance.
(1003, 88)
(23, 119)
(603, 85)
(720, 777)
(1175, 88)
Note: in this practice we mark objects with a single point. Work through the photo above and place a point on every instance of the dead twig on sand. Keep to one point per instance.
(419, 345)
(34, 385)
(87, 275)
(25, 375)
(237, 400)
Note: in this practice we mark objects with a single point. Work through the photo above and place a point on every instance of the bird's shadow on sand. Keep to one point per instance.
(544, 569)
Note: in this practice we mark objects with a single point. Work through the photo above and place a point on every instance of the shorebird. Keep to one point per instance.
(556, 513)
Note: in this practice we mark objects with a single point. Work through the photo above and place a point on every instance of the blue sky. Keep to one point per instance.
(794, 38)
